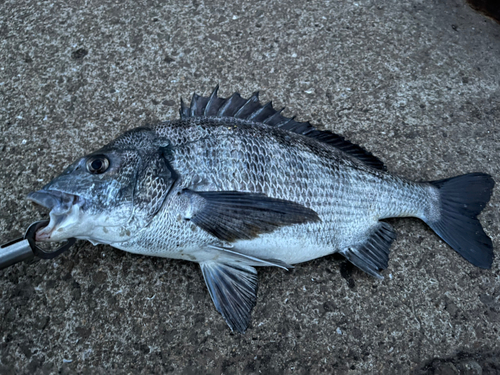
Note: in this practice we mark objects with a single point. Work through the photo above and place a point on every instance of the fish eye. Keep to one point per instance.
(97, 164)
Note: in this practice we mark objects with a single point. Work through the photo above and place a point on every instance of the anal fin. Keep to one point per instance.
(233, 288)
(372, 254)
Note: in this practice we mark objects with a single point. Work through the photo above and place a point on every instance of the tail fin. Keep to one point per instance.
(462, 199)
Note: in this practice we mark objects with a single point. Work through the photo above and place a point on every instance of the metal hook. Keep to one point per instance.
(25, 248)
(39, 252)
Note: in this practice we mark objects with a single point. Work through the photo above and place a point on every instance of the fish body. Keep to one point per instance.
(233, 155)
(234, 184)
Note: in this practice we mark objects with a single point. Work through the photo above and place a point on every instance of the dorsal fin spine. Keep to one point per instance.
(287, 121)
(225, 106)
(271, 118)
(183, 111)
(194, 104)
(258, 112)
(211, 100)
(251, 100)
(250, 109)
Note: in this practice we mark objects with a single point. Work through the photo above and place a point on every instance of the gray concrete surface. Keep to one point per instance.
(415, 82)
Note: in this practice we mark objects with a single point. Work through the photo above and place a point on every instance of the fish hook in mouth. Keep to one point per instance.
(40, 252)
(62, 206)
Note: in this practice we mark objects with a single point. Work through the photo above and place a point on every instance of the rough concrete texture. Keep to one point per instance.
(415, 82)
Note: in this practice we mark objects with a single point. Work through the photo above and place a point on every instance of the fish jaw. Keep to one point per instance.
(65, 214)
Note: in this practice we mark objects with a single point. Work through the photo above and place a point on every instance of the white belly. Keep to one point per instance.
(290, 250)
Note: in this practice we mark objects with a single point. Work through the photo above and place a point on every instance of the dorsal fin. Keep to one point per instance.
(252, 110)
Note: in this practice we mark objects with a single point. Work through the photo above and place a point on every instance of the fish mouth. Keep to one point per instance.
(64, 212)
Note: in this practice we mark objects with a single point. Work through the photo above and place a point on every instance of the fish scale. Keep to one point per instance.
(234, 184)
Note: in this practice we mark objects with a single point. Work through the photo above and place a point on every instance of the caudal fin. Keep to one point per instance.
(462, 200)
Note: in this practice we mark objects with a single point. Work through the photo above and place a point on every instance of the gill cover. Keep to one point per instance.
(154, 181)
(154, 176)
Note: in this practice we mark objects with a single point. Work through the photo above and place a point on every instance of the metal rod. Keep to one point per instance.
(14, 252)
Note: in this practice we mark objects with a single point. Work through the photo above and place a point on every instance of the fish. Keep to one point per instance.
(234, 185)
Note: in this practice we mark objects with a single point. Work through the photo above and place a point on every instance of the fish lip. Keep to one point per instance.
(60, 205)
(48, 198)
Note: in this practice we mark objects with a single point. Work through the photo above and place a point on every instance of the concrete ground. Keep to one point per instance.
(415, 82)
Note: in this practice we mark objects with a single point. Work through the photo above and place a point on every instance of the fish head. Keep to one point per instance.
(110, 194)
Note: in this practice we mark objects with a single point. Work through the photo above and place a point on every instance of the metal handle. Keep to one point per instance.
(25, 248)
(14, 252)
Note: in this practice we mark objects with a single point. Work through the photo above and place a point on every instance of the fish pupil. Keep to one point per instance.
(96, 164)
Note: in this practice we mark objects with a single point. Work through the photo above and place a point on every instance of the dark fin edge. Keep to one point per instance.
(233, 289)
(234, 215)
(372, 255)
(462, 199)
(252, 110)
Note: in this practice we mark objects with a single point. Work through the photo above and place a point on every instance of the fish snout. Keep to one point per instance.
(59, 203)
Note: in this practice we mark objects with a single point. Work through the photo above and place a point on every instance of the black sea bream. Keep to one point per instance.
(234, 184)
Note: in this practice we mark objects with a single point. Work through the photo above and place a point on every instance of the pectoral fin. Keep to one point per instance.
(233, 288)
(233, 215)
